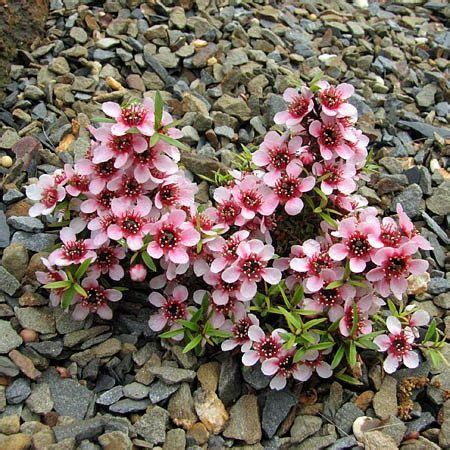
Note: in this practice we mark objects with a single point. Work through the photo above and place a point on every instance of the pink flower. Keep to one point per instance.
(76, 183)
(227, 207)
(337, 176)
(312, 362)
(138, 272)
(99, 226)
(300, 105)
(222, 291)
(47, 193)
(360, 241)
(172, 235)
(226, 250)
(171, 309)
(331, 137)
(175, 192)
(131, 224)
(73, 250)
(251, 267)
(364, 325)
(240, 333)
(99, 173)
(98, 203)
(135, 116)
(395, 265)
(263, 346)
(283, 367)
(108, 262)
(398, 345)
(254, 198)
(290, 187)
(117, 148)
(51, 276)
(313, 264)
(276, 153)
(96, 301)
(128, 190)
(409, 230)
(333, 99)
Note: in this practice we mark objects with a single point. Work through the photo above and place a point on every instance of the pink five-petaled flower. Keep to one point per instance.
(313, 264)
(47, 193)
(99, 174)
(290, 187)
(283, 367)
(409, 230)
(263, 346)
(398, 345)
(347, 324)
(116, 148)
(251, 267)
(51, 276)
(227, 207)
(337, 176)
(276, 153)
(225, 250)
(312, 362)
(171, 309)
(175, 191)
(254, 198)
(395, 265)
(76, 183)
(331, 137)
(333, 99)
(239, 329)
(222, 291)
(108, 262)
(139, 116)
(172, 235)
(96, 301)
(131, 224)
(300, 104)
(360, 241)
(73, 250)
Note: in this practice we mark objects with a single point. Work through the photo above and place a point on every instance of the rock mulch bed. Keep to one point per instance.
(221, 66)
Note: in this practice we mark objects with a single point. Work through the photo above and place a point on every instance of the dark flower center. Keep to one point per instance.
(168, 238)
(268, 347)
(240, 329)
(286, 187)
(74, 250)
(280, 157)
(49, 197)
(134, 115)
(121, 144)
(299, 106)
(95, 298)
(252, 267)
(358, 245)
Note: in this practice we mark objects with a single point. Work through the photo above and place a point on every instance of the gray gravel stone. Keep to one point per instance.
(304, 426)
(25, 223)
(37, 242)
(38, 319)
(173, 375)
(40, 401)
(276, 408)
(111, 396)
(8, 283)
(345, 417)
(18, 391)
(152, 425)
(4, 231)
(159, 391)
(136, 391)
(128, 405)
(9, 340)
(411, 199)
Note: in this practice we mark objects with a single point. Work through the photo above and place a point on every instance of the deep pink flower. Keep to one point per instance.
(47, 193)
(251, 267)
(364, 325)
(313, 264)
(337, 176)
(263, 346)
(395, 265)
(240, 333)
(108, 262)
(333, 99)
(290, 187)
(332, 138)
(99, 226)
(128, 190)
(76, 183)
(360, 241)
(300, 104)
(96, 301)
(139, 116)
(171, 308)
(73, 250)
(172, 235)
(227, 207)
(398, 344)
(131, 224)
(409, 230)
(283, 367)
(99, 203)
(99, 173)
(222, 291)
(176, 191)
(225, 250)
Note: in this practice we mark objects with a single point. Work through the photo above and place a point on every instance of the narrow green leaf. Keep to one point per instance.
(148, 261)
(174, 142)
(159, 106)
(322, 346)
(348, 379)
(196, 341)
(79, 289)
(355, 320)
(220, 334)
(188, 324)
(58, 284)
(82, 268)
(298, 295)
(430, 332)
(68, 297)
(299, 353)
(103, 119)
(171, 333)
(338, 356)
(352, 354)
(155, 139)
(334, 284)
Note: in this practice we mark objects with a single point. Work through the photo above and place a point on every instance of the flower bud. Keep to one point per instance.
(138, 272)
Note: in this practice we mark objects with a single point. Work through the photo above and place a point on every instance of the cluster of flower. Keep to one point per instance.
(128, 200)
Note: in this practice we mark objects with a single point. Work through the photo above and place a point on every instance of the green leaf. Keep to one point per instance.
(79, 289)
(174, 142)
(155, 139)
(338, 356)
(328, 219)
(82, 268)
(322, 346)
(298, 295)
(220, 333)
(197, 315)
(392, 307)
(103, 119)
(58, 284)
(148, 261)
(314, 322)
(352, 354)
(196, 341)
(355, 320)
(358, 283)
(299, 353)
(188, 324)
(68, 297)
(159, 106)
(171, 333)
(348, 379)
(334, 284)
(430, 332)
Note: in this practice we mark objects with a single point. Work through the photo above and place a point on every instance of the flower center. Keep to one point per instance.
(226, 309)
(105, 169)
(227, 211)
(95, 298)
(349, 322)
(279, 156)
(105, 257)
(358, 245)
(168, 238)
(252, 199)
(81, 182)
(240, 329)
(49, 197)
(143, 158)
(329, 297)
(268, 347)
(174, 310)
(286, 187)
(400, 345)
(169, 194)
(396, 266)
(134, 115)
(287, 365)
(74, 250)
(330, 98)
(131, 224)
(390, 236)
(121, 144)
(130, 188)
(252, 267)
(333, 174)
(320, 262)
(330, 135)
(299, 106)
(104, 198)
(230, 247)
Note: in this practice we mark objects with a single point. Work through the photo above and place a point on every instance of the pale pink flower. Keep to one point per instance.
(232, 309)
(300, 104)
(52, 275)
(73, 250)
(171, 308)
(138, 272)
(97, 203)
(347, 323)
(131, 224)
(227, 207)
(283, 367)
(99, 226)
(409, 230)
(225, 250)
(240, 333)
(398, 344)
(251, 267)
(333, 99)
(312, 361)
(263, 346)
(337, 176)
(108, 262)
(76, 183)
(332, 138)
(360, 241)
(222, 291)
(135, 116)
(47, 193)
(99, 174)
(96, 301)
(395, 265)
(172, 235)
(313, 264)
(128, 190)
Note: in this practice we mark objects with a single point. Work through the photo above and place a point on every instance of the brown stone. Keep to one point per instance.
(16, 442)
(18, 209)
(208, 375)
(115, 440)
(210, 410)
(364, 400)
(198, 433)
(24, 364)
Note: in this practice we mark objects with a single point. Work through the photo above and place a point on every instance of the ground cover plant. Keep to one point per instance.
(288, 266)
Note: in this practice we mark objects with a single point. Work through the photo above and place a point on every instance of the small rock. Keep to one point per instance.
(8, 282)
(18, 391)
(304, 426)
(198, 433)
(24, 223)
(37, 319)
(172, 375)
(375, 440)
(15, 260)
(439, 202)
(111, 396)
(385, 400)
(276, 408)
(181, 407)
(175, 440)
(59, 65)
(346, 415)
(135, 391)
(244, 421)
(152, 425)
(210, 410)
(9, 338)
(411, 199)
(10, 424)
(208, 375)
(159, 391)
(234, 106)
(4, 231)
(115, 440)
(18, 441)
(127, 406)
(425, 97)
(230, 386)
(40, 401)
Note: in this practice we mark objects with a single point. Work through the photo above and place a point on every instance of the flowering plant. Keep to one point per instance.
(288, 266)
